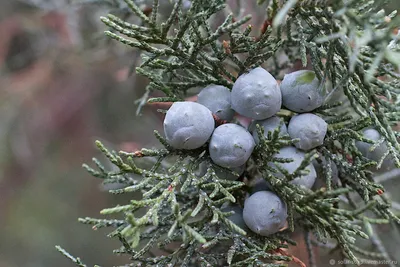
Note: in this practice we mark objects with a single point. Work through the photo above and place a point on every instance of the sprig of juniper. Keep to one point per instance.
(183, 207)
(193, 54)
(180, 211)
(353, 46)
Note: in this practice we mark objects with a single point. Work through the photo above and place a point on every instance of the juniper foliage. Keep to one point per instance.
(352, 47)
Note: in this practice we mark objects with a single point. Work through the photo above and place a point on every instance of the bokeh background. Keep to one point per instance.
(62, 86)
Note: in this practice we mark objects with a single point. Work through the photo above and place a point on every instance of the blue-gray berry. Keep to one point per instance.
(260, 184)
(256, 95)
(297, 156)
(188, 125)
(301, 91)
(269, 125)
(378, 152)
(231, 145)
(237, 217)
(320, 173)
(309, 128)
(201, 169)
(217, 98)
(264, 213)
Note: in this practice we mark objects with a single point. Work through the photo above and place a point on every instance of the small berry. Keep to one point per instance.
(217, 98)
(320, 174)
(188, 125)
(231, 145)
(297, 156)
(260, 184)
(264, 213)
(201, 169)
(237, 217)
(309, 128)
(301, 91)
(269, 125)
(378, 152)
(256, 95)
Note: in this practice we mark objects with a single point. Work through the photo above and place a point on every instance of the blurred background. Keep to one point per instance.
(62, 86)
